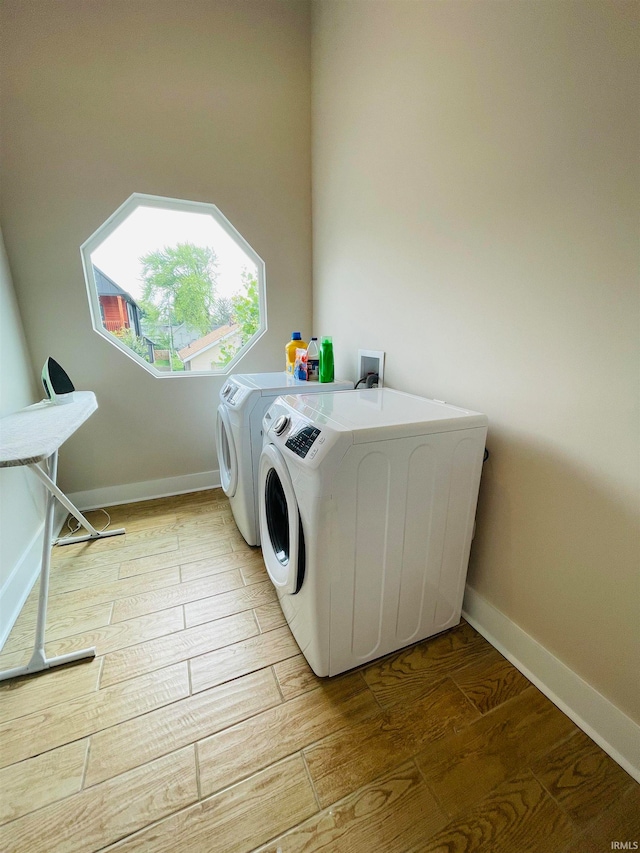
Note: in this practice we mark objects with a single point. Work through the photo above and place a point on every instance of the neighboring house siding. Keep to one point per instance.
(115, 313)
(205, 353)
(209, 359)
(118, 309)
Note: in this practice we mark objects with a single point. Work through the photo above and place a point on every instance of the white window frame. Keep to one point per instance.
(114, 221)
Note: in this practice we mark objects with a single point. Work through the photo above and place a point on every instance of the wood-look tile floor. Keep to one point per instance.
(200, 728)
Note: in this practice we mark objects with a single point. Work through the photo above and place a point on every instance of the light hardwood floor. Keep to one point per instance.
(200, 728)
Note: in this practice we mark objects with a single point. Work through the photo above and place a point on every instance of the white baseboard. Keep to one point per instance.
(143, 491)
(599, 718)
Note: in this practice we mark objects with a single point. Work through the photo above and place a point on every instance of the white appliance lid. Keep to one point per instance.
(380, 414)
(274, 384)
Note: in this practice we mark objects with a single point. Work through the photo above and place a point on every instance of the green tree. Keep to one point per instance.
(246, 313)
(179, 286)
(222, 311)
(133, 342)
(246, 306)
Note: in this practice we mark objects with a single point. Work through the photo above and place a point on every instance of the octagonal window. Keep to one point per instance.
(173, 285)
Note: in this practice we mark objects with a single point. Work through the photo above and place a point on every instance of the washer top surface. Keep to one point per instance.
(381, 413)
(240, 387)
(278, 382)
(282, 382)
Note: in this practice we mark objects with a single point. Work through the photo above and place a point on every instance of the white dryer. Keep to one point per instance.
(366, 503)
(244, 399)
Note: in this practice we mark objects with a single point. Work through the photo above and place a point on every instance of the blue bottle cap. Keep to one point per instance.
(296, 336)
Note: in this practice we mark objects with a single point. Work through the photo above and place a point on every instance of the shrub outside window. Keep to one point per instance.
(172, 284)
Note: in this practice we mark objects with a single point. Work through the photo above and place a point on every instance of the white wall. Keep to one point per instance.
(475, 186)
(207, 101)
(21, 494)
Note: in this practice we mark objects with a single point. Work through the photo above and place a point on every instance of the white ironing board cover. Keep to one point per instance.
(33, 434)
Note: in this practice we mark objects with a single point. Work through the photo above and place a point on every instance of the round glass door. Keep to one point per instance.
(277, 516)
(226, 449)
(279, 522)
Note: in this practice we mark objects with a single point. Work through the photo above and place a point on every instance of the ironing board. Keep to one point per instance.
(32, 437)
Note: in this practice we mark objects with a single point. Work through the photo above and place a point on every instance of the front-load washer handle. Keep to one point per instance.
(281, 424)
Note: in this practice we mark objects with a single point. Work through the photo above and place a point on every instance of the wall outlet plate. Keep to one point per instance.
(371, 361)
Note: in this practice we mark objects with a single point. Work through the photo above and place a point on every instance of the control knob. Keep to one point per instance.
(281, 424)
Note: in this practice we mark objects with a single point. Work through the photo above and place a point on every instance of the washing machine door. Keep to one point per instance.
(281, 533)
(226, 449)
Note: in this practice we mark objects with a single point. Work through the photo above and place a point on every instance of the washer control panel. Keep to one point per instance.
(302, 440)
(298, 437)
(233, 394)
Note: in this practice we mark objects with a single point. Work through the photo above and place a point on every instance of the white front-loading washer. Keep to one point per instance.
(244, 399)
(366, 505)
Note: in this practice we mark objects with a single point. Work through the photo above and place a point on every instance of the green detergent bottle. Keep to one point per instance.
(326, 359)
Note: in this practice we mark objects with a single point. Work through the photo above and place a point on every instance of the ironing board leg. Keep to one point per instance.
(39, 660)
(50, 483)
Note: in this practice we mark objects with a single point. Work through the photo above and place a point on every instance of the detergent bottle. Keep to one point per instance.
(301, 365)
(295, 343)
(326, 359)
(313, 360)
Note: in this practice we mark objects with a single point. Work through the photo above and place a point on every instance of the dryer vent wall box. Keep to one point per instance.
(371, 361)
(366, 504)
(244, 399)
